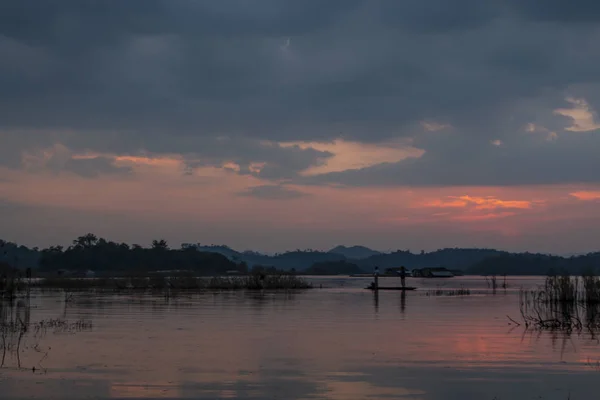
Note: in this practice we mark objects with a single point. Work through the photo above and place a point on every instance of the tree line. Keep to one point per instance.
(89, 252)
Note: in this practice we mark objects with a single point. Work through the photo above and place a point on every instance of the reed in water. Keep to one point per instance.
(247, 282)
(564, 302)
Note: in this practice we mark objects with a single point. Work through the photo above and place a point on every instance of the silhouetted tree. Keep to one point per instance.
(160, 244)
(104, 255)
(85, 241)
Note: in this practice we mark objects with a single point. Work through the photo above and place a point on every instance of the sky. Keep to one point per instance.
(280, 124)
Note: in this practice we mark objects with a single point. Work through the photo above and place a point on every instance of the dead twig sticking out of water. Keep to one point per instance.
(12, 330)
(3, 347)
(37, 349)
(16, 327)
(513, 321)
(492, 282)
(69, 296)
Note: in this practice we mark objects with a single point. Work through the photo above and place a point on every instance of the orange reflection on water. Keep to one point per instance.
(141, 390)
(345, 390)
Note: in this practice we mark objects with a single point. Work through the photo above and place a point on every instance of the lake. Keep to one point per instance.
(335, 342)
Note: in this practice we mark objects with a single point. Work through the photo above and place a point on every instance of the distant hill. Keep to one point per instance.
(354, 252)
(333, 268)
(221, 249)
(449, 258)
(252, 253)
(298, 259)
(340, 259)
(366, 259)
(536, 264)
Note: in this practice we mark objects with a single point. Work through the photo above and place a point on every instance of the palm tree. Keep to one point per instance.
(160, 244)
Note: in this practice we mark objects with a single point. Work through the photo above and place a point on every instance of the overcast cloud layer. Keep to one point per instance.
(171, 77)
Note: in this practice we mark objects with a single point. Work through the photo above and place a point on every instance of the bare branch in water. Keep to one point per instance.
(515, 322)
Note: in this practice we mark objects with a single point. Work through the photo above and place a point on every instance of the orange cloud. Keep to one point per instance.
(483, 217)
(155, 161)
(475, 209)
(479, 203)
(586, 195)
(446, 204)
(490, 202)
(159, 198)
(353, 155)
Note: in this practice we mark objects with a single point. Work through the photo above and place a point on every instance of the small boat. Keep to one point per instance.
(391, 288)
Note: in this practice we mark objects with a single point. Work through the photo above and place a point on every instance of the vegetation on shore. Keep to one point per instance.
(536, 264)
(121, 267)
(191, 283)
(11, 281)
(89, 252)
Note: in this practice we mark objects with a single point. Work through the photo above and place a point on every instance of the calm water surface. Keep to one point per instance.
(338, 342)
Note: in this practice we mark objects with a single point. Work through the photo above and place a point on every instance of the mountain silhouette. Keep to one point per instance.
(354, 252)
(90, 251)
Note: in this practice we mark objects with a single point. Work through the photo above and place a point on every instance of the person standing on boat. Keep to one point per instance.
(403, 276)
(375, 283)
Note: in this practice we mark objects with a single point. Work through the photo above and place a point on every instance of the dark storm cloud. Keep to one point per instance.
(170, 77)
(576, 11)
(104, 22)
(264, 160)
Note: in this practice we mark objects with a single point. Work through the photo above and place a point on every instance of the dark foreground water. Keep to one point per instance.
(338, 342)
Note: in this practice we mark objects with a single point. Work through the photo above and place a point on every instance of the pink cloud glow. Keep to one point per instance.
(158, 200)
(586, 195)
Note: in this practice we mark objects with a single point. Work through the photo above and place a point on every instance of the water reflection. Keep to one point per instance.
(316, 344)
(376, 300)
(15, 317)
(373, 382)
(402, 295)
(402, 302)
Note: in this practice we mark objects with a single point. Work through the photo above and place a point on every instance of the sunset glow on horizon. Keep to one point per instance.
(275, 130)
